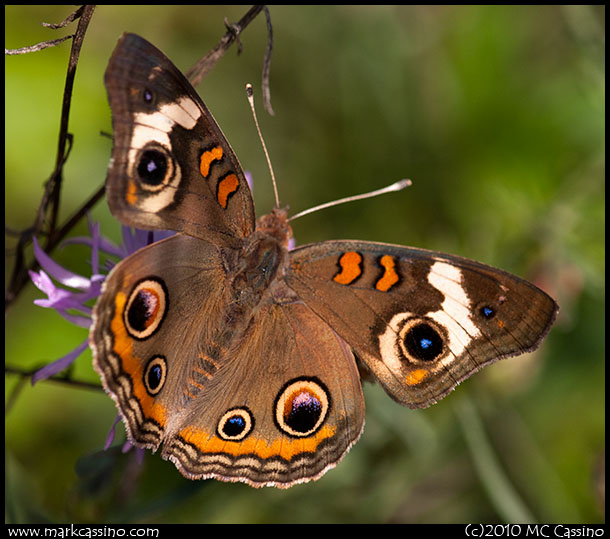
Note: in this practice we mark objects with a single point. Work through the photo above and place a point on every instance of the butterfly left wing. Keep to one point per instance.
(172, 168)
(269, 397)
(421, 321)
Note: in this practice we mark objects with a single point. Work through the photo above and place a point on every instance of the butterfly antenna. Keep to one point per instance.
(250, 94)
(397, 186)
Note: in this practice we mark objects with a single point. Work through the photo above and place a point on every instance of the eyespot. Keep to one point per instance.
(301, 407)
(147, 96)
(421, 339)
(235, 424)
(487, 312)
(146, 308)
(155, 375)
(154, 167)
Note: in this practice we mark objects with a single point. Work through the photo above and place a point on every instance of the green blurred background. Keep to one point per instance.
(496, 114)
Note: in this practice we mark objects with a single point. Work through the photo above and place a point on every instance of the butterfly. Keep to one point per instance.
(242, 359)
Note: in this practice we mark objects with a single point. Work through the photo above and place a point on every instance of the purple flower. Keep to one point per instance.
(71, 297)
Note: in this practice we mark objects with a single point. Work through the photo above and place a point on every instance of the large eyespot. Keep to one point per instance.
(301, 407)
(155, 375)
(154, 167)
(235, 424)
(422, 339)
(146, 307)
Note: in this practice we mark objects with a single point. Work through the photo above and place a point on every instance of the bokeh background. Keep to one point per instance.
(497, 115)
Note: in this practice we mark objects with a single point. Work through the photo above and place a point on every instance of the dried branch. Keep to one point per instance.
(267, 66)
(73, 16)
(203, 66)
(38, 47)
(49, 205)
(26, 374)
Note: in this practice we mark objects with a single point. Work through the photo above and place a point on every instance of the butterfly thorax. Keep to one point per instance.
(262, 261)
(275, 225)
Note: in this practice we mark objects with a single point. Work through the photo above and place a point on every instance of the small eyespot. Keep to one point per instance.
(155, 375)
(146, 308)
(147, 96)
(487, 312)
(235, 424)
(301, 407)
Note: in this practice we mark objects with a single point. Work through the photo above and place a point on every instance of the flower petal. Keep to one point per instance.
(60, 273)
(111, 433)
(59, 365)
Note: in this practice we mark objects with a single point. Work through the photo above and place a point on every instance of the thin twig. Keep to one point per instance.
(267, 65)
(204, 65)
(62, 379)
(72, 17)
(38, 47)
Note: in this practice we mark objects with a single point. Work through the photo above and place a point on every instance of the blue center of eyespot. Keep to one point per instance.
(234, 426)
(487, 312)
(425, 343)
(154, 377)
(152, 167)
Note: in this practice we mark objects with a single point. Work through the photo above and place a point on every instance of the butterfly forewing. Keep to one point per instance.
(171, 167)
(421, 321)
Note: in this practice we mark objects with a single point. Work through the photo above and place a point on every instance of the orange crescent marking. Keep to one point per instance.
(215, 154)
(390, 277)
(132, 365)
(416, 376)
(350, 268)
(227, 186)
(131, 196)
(280, 447)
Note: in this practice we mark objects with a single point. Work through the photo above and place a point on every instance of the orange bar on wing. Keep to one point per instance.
(131, 196)
(390, 277)
(226, 187)
(215, 154)
(262, 448)
(351, 269)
